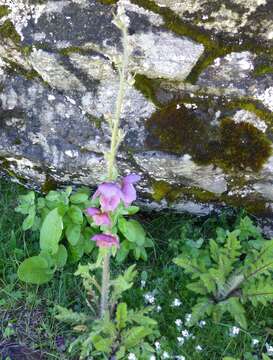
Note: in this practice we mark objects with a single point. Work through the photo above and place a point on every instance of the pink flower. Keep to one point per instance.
(128, 190)
(110, 195)
(106, 240)
(100, 218)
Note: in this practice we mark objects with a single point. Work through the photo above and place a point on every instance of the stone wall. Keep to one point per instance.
(198, 119)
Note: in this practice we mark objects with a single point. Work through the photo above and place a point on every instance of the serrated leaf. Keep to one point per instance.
(237, 311)
(73, 233)
(51, 232)
(134, 336)
(121, 316)
(35, 270)
(69, 316)
(102, 344)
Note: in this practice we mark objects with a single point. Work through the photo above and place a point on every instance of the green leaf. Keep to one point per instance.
(35, 270)
(51, 232)
(77, 251)
(121, 316)
(60, 258)
(121, 353)
(69, 316)
(132, 230)
(102, 344)
(135, 335)
(73, 233)
(235, 308)
(123, 251)
(79, 198)
(75, 214)
(25, 203)
(29, 220)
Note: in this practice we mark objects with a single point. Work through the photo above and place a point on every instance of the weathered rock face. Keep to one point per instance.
(198, 120)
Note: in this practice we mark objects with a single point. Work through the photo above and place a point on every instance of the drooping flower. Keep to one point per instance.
(106, 240)
(127, 188)
(100, 218)
(110, 196)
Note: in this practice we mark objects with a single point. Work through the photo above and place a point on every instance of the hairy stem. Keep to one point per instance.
(105, 284)
(120, 99)
(111, 159)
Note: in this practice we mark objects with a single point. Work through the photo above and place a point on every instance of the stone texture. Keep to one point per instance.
(197, 121)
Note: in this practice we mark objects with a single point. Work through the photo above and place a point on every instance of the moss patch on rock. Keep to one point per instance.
(243, 146)
(233, 147)
(4, 10)
(7, 30)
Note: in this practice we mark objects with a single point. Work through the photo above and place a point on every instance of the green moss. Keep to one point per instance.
(165, 190)
(7, 30)
(28, 74)
(94, 120)
(4, 10)
(73, 49)
(49, 184)
(233, 147)
(263, 69)
(253, 106)
(147, 87)
(244, 146)
(107, 2)
(178, 131)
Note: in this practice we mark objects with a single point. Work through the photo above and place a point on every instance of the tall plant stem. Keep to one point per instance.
(111, 160)
(105, 283)
(115, 139)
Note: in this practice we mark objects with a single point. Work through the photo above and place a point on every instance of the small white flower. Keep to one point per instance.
(176, 303)
(178, 107)
(202, 323)
(234, 331)
(158, 308)
(132, 356)
(142, 284)
(180, 357)
(254, 342)
(186, 334)
(269, 349)
(157, 345)
(198, 348)
(149, 298)
(152, 357)
(165, 355)
(178, 322)
(180, 340)
(188, 318)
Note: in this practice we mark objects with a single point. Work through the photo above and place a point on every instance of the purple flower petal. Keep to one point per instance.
(102, 219)
(129, 194)
(131, 179)
(106, 240)
(92, 211)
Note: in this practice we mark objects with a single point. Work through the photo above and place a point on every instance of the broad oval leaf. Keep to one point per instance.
(132, 230)
(75, 214)
(73, 233)
(35, 270)
(60, 258)
(79, 198)
(51, 232)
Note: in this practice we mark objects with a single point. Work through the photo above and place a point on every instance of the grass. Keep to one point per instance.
(26, 312)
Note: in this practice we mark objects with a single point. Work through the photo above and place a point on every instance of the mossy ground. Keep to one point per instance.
(27, 315)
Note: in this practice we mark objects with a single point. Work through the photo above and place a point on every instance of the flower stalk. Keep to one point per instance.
(122, 22)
